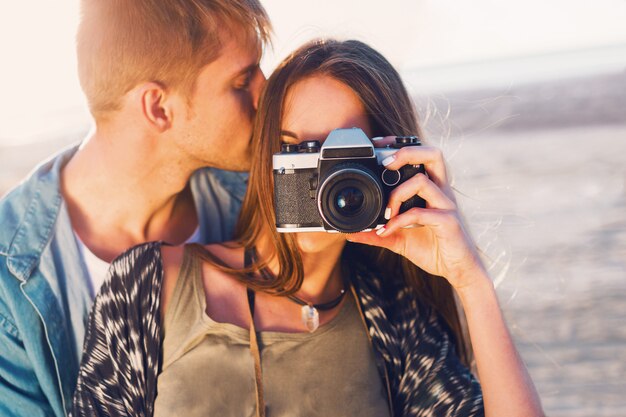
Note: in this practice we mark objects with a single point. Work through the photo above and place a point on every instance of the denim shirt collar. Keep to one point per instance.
(36, 229)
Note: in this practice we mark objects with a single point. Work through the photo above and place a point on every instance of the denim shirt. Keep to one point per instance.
(45, 295)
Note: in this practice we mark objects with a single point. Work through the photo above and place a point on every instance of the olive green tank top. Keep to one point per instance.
(208, 369)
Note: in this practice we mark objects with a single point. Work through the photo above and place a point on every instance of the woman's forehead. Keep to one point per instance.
(316, 105)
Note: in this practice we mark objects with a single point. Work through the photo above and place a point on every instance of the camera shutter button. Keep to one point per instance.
(289, 148)
(311, 146)
(390, 178)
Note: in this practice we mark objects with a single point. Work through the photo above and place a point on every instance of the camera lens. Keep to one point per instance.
(350, 198)
(349, 201)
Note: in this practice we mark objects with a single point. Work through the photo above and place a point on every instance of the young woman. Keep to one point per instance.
(220, 330)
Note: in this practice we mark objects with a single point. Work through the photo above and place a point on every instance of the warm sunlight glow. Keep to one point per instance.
(40, 92)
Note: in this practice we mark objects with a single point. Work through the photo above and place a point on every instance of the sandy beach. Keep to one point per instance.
(550, 211)
(540, 172)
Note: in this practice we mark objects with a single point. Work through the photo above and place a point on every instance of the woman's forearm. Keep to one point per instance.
(506, 384)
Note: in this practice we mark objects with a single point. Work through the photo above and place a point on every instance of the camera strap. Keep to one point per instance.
(254, 344)
(250, 258)
(256, 355)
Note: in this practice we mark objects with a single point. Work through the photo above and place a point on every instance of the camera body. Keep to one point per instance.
(340, 186)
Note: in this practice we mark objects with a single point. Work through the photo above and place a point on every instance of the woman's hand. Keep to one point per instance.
(434, 237)
(439, 244)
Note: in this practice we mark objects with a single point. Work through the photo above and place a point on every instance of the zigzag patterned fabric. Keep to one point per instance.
(121, 354)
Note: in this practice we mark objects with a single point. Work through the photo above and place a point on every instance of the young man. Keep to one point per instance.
(172, 87)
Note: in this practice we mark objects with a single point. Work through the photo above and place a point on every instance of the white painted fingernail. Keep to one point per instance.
(388, 213)
(378, 138)
(381, 231)
(388, 160)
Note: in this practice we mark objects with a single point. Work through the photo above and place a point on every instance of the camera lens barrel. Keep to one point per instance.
(350, 198)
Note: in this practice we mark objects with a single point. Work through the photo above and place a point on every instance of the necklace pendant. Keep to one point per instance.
(310, 318)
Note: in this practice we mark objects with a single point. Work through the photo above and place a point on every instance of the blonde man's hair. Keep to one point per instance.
(122, 43)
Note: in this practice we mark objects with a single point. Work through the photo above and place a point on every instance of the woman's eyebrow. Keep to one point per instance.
(289, 133)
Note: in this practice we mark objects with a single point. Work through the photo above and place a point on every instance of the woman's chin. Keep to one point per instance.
(316, 242)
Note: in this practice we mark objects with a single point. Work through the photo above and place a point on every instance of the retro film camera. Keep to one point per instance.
(340, 186)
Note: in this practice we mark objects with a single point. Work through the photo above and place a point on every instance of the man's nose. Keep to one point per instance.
(256, 88)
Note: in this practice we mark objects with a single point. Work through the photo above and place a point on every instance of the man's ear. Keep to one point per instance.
(156, 109)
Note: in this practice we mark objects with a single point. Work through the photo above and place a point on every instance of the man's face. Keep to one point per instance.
(218, 126)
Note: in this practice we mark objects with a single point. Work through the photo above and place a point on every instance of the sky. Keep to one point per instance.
(414, 33)
(40, 95)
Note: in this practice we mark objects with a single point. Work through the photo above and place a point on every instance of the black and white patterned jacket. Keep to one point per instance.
(121, 360)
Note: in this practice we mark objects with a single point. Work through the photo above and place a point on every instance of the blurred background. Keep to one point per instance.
(528, 101)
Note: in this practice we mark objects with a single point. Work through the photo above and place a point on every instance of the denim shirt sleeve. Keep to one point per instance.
(20, 390)
(218, 196)
(37, 372)
(236, 183)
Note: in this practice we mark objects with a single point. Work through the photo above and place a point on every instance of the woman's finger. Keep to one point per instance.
(429, 156)
(372, 239)
(422, 186)
(419, 217)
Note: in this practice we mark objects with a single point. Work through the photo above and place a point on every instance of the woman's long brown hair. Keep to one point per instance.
(390, 112)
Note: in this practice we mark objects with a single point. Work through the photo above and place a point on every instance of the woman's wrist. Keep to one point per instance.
(475, 285)
(505, 382)
(468, 273)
